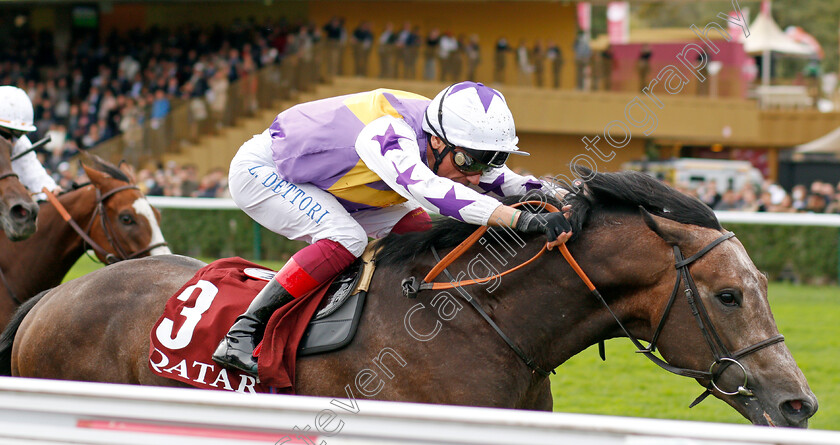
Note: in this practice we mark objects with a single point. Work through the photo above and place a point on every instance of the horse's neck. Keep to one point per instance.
(80, 204)
(545, 307)
(41, 261)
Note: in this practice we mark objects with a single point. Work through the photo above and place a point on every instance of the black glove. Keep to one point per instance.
(554, 225)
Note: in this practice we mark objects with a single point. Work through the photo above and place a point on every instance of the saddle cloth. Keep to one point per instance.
(197, 317)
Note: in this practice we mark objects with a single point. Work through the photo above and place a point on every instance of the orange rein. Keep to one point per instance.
(467, 243)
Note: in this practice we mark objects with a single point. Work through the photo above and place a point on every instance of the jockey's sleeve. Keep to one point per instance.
(388, 146)
(504, 182)
(32, 174)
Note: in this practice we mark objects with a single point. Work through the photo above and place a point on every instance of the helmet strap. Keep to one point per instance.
(440, 156)
(448, 147)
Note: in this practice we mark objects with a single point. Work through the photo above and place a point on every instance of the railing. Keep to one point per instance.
(191, 118)
(51, 411)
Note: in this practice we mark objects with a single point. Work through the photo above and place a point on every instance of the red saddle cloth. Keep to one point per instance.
(197, 317)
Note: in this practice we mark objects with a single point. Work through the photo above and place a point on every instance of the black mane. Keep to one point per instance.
(627, 191)
(603, 192)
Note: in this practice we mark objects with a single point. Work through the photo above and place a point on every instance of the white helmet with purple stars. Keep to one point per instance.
(476, 117)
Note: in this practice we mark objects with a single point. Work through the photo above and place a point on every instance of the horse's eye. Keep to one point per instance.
(126, 219)
(729, 298)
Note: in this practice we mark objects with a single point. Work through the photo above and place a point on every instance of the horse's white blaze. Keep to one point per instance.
(142, 207)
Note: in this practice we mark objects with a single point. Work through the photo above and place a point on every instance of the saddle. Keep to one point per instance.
(337, 318)
(196, 318)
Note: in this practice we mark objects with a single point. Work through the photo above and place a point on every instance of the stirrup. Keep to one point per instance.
(230, 357)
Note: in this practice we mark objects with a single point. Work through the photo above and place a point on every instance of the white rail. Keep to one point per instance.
(796, 219)
(49, 411)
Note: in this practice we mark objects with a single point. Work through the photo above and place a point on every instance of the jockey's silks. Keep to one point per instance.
(320, 147)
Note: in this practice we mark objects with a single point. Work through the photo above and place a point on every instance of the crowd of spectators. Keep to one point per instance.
(819, 197)
(95, 89)
(182, 180)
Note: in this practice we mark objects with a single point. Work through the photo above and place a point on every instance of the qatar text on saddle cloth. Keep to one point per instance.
(198, 316)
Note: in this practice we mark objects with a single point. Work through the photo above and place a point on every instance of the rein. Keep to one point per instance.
(100, 209)
(723, 358)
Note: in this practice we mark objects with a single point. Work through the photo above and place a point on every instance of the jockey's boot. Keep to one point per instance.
(308, 269)
(237, 348)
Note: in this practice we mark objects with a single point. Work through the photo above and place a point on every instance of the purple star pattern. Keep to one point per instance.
(404, 178)
(450, 205)
(532, 185)
(495, 186)
(485, 94)
(388, 141)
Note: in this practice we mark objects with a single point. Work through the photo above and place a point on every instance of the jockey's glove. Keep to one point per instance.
(552, 224)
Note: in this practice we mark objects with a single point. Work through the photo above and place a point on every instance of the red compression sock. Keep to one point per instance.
(312, 266)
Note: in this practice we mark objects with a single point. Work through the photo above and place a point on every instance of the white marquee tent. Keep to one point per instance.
(766, 37)
(829, 143)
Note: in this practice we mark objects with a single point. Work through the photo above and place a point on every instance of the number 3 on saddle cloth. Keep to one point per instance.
(197, 317)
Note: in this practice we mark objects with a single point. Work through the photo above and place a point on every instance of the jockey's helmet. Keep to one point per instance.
(476, 118)
(16, 112)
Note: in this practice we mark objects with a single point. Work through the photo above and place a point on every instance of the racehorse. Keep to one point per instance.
(120, 224)
(18, 212)
(630, 235)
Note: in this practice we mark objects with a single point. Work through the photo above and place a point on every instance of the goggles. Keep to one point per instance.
(10, 134)
(467, 163)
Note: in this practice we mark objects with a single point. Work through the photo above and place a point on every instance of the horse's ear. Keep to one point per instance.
(672, 232)
(95, 176)
(126, 168)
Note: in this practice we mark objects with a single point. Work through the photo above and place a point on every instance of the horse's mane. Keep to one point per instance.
(627, 191)
(622, 192)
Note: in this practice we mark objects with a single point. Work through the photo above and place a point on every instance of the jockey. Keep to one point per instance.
(334, 172)
(16, 120)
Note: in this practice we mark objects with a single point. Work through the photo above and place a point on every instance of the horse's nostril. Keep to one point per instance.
(797, 410)
(20, 211)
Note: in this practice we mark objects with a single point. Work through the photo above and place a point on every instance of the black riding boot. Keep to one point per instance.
(237, 347)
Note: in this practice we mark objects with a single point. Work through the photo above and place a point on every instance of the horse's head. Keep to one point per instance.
(125, 224)
(715, 324)
(18, 212)
(763, 382)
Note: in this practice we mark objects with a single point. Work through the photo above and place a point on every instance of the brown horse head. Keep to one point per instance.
(125, 223)
(733, 292)
(719, 329)
(18, 212)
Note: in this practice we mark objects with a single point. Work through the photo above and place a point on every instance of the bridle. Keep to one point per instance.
(723, 358)
(109, 232)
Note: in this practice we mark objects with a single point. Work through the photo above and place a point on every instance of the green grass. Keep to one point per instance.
(627, 384)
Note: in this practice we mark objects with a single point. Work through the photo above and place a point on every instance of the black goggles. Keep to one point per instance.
(10, 134)
(476, 161)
